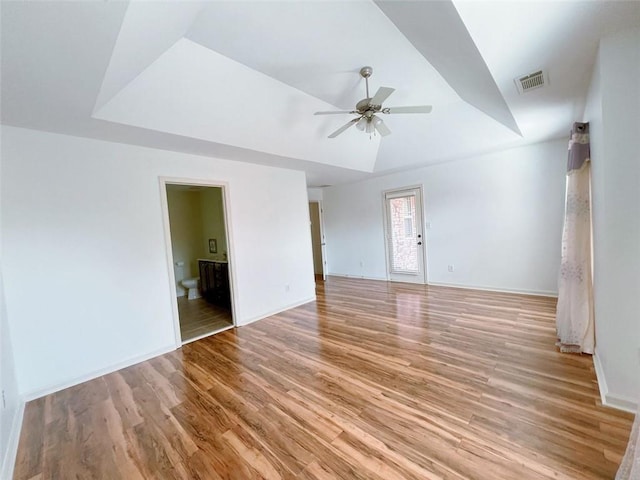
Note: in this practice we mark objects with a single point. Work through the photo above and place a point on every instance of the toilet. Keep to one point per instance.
(193, 287)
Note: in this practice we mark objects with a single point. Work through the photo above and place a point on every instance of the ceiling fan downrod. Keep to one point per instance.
(366, 72)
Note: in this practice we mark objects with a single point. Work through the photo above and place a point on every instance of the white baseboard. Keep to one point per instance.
(32, 395)
(362, 277)
(608, 399)
(602, 381)
(275, 312)
(9, 460)
(540, 293)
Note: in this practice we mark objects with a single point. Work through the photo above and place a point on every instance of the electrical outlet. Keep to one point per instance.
(450, 268)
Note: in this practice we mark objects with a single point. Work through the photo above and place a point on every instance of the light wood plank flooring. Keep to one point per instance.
(199, 317)
(372, 381)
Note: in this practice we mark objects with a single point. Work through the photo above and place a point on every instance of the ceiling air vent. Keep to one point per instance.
(532, 81)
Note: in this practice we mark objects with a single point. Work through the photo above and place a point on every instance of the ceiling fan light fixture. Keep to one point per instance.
(370, 127)
(361, 125)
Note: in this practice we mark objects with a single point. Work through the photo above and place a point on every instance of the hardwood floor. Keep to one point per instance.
(199, 317)
(372, 381)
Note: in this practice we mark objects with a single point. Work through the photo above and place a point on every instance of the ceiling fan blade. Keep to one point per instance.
(343, 128)
(334, 112)
(382, 129)
(381, 95)
(416, 109)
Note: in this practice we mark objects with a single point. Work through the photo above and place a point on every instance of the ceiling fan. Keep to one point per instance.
(366, 109)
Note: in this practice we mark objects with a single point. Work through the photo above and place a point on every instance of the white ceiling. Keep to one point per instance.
(241, 80)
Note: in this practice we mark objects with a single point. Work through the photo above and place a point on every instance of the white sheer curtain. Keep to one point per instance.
(574, 317)
(630, 466)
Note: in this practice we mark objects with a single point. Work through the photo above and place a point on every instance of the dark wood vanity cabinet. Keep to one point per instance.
(214, 282)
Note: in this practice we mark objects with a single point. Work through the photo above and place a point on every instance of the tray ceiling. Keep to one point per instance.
(241, 80)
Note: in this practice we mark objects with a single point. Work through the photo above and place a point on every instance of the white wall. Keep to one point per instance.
(613, 111)
(9, 426)
(315, 194)
(497, 218)
(10, 402)
(86, 274)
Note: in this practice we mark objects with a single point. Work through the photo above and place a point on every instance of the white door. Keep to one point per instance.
(404, 235)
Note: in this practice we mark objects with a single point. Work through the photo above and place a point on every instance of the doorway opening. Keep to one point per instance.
(317, 241)
(197, 224)
(404, 236)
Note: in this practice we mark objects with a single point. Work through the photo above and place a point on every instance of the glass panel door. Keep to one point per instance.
(404, 236)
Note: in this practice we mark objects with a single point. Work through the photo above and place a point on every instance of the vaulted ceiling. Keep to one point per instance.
(241, 80)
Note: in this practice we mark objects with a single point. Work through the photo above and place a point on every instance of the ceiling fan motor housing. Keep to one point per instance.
(364, 106)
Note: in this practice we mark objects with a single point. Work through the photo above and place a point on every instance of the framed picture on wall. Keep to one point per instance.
(213, 245)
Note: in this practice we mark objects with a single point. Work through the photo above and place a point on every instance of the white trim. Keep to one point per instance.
(163, 181)
(32, 395)
(540, 293)
(620, 403)
(394, 193)
(279, 310)
(609, 400)
(166, 226)
(208, 334)
(9, 460)
(323, 242)
(602, 382)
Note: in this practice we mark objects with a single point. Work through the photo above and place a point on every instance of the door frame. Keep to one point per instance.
(164, 181)
(385, 225)
(323, 241)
